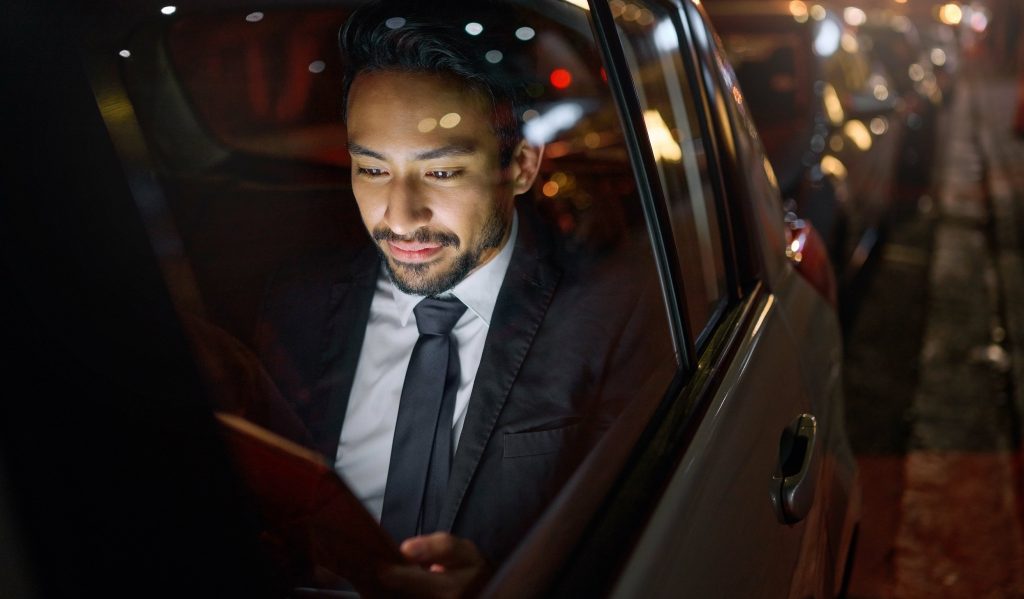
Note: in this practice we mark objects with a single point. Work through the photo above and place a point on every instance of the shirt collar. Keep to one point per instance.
(479, 291)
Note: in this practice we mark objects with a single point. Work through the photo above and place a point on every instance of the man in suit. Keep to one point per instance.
(545, 345)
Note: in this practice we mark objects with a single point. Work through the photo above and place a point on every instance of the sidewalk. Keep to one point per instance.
(942, 510)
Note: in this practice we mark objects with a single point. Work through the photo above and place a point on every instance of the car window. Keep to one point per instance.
(752, 193)
(651, 43)
(273, 238)
(777, 71)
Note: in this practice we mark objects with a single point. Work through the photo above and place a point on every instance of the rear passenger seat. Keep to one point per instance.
(237, 231)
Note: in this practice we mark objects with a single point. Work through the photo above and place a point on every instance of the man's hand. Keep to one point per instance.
(448, 567)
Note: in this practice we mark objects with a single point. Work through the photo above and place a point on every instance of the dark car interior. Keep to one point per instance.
(114, 478)
(187, 177)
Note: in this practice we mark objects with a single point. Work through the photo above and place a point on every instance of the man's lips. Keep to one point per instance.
(413, 251)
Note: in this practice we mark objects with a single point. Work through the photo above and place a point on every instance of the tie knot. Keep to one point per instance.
(436, 316)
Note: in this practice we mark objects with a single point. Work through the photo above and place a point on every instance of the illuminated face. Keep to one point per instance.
(427, 176)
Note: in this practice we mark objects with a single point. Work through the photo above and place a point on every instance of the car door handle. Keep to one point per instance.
(797, 477)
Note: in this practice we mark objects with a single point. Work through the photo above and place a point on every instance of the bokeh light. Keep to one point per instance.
(561, 78)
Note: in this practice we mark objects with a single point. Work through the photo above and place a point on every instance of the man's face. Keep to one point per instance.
(427, 177)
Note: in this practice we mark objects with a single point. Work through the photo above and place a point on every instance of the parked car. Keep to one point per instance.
(825, 115)
(172, 158)
(896, 41)
(942, 47)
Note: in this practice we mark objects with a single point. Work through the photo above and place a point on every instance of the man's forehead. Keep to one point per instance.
(416, 115)
(447, 149)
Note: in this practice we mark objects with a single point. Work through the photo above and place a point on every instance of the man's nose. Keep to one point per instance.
(407, 210)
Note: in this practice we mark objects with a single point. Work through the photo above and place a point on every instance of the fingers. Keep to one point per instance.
(444, 549)
(449, 567)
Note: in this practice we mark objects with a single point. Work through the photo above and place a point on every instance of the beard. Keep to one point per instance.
(426, 278)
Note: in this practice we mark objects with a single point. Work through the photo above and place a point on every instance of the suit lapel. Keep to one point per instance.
(348, 311)
(522, 303)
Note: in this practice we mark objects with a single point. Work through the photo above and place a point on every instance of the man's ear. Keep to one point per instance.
(525, 166)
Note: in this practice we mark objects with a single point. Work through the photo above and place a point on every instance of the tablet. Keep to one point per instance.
(308, 506)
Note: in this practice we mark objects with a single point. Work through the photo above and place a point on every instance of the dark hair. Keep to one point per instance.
(400, 35)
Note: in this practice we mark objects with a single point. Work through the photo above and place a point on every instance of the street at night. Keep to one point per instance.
(934, 365)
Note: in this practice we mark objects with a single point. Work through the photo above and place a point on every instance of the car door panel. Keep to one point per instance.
(819, 349)
(690, 546)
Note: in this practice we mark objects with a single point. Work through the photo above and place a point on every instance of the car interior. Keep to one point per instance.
(266, 180)
(240, 112)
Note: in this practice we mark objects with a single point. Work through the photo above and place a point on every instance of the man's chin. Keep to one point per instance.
(417, 278)
(428, 278)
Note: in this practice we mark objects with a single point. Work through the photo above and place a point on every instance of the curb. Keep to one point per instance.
(1004, 157)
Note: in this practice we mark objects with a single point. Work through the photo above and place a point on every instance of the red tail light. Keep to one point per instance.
(806, 250)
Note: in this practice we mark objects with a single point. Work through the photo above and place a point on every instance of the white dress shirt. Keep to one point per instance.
(364, 452)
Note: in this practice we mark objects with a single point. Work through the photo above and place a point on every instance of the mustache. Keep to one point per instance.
(418, 236)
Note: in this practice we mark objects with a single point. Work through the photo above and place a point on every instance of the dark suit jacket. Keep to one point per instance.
(569, 341)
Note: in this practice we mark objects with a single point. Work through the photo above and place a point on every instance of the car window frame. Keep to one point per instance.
(649, 191)
(605, 545)
(689, 342)
(749, 256)
(705, 123)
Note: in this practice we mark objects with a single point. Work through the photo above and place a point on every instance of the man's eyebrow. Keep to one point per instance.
(359, 150)
(454, 149)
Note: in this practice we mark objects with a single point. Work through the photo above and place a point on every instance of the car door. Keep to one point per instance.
(724, 526)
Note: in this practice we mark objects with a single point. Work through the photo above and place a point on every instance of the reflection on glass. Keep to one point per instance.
(770, 172)
(833, 107)
(525, 33)
(830, 165)
(543, 127)
(827, 41)
(916, 72)
(560, 78)
(951, 14)
(450, 120)
(854, 16)
(651, 47)
(799, 10)
(850, 43)
(665, 148)
(858, 133)
(579, 4)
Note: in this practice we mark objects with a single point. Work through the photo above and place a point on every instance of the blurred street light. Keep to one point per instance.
(951, 14)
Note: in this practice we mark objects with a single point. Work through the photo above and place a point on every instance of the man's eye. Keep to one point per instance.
(444, 174)
(371, 172)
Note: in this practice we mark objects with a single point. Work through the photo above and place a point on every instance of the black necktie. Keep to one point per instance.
(422, 449)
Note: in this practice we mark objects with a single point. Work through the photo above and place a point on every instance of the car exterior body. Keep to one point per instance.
(731, 477)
